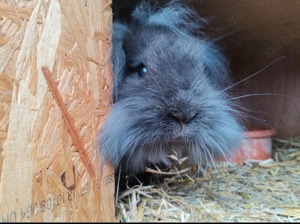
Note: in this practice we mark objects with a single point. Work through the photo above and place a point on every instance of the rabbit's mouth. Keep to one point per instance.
(181, 131)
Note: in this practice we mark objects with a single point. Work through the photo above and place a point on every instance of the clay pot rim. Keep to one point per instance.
(263, 133)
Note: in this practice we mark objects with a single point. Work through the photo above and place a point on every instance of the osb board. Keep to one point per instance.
(49, 163)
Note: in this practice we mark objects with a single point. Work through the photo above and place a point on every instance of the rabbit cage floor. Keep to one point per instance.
(267, 191)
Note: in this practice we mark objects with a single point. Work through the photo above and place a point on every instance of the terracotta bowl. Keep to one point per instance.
(257, 146)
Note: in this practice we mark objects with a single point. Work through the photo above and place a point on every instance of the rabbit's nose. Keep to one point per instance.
(182, 117)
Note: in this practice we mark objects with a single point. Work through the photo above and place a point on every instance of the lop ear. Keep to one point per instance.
(118, 55)
(173, 15)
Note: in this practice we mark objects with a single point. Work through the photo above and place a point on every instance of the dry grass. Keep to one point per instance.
(256, 191)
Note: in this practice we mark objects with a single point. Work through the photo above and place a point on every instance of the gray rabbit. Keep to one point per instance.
(169, 93)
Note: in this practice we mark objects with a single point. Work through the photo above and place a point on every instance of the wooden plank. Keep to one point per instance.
(44, 177)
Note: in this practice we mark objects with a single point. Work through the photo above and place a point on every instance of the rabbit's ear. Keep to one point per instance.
(118, 55)
(173, 15)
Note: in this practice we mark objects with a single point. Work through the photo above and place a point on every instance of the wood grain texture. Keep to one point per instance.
(44, 177)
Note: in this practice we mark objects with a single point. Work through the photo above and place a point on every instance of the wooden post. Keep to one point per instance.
(49, 162)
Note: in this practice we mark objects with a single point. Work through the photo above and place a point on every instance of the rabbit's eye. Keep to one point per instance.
(139, 69)
(142, 71)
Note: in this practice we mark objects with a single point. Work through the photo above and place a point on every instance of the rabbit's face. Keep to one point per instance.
(169, 99)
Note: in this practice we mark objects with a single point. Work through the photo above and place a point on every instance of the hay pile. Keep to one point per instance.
(257, 191)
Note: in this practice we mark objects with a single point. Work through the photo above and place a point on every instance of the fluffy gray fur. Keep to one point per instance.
(168, 93)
